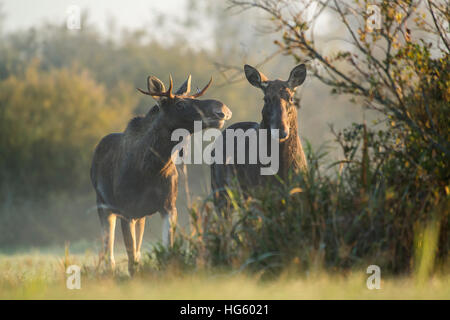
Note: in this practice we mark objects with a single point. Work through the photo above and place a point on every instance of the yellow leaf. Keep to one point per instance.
(296, 190)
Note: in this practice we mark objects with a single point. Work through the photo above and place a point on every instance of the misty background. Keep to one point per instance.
(62, 90)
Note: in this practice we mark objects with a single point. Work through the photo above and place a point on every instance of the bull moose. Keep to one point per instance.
(133, 173)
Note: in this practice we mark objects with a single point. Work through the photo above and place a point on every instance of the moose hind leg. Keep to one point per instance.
(108, 224)
(140, 225)
(169, 224)
(129, 237)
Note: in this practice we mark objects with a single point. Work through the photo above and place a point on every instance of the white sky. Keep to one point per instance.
(22, 14)
(131, 14)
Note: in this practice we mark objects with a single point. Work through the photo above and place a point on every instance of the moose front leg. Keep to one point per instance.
(129, 237)
(140, 225)
(169, 224)
(108, 223)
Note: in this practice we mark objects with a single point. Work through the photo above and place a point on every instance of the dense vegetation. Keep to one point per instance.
(387, 201)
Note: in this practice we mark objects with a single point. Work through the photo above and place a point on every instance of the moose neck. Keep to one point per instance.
(290, 150)
(157, 146)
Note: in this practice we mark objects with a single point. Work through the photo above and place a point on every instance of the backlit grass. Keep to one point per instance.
(42, 276)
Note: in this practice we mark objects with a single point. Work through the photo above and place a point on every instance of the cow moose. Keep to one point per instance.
(133, 173)
(279, 112)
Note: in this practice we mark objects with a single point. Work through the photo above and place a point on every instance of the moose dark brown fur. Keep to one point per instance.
(279, 112)
(133, 173)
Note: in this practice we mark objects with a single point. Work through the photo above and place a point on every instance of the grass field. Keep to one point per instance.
(42, 276)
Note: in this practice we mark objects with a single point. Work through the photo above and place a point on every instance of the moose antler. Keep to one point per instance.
(167, 93)
(202, 92)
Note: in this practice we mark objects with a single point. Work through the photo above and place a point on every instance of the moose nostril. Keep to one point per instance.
(220, 114)
(283, 134)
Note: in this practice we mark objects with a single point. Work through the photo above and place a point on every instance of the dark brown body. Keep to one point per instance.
(280, 113)
(133, 173)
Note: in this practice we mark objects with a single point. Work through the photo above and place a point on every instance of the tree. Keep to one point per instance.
(50, 123)
(393, 57)
(399, 67)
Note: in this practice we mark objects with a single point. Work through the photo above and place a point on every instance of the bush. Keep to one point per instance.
(368, 209)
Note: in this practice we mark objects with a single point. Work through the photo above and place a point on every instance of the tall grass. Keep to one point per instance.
(368, 209)
(41, 276)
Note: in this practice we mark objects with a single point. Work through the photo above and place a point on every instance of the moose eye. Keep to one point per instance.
(287, 97)
(180, 105)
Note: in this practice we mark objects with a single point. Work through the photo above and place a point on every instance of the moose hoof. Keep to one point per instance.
(132, 266)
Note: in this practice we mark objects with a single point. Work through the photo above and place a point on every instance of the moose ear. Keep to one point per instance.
(185, 87)
(256, 78)
(155, 85)
(297, 76)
